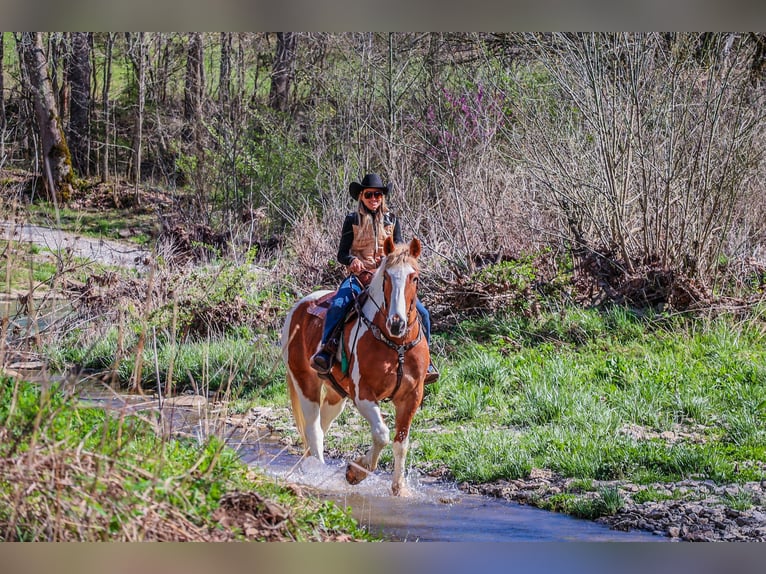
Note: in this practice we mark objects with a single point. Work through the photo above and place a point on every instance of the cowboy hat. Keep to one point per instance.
(370, 181)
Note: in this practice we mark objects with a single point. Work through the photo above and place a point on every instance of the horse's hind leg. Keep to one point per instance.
(329, 412)
(313, 431)
(357, 471)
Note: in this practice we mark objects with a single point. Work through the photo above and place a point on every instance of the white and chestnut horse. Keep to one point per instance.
(383, 355)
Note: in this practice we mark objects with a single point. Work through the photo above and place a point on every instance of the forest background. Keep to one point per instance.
(634, 159)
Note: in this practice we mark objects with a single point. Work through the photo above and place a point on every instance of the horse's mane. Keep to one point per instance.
(400, 255)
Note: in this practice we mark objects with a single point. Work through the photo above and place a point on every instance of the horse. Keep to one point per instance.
(387, 357)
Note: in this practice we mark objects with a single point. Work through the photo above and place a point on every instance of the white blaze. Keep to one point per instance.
(398, 305)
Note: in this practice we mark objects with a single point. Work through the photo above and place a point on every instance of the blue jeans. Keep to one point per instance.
(344, 298)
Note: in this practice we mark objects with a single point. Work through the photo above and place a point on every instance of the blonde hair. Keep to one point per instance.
(367, 219)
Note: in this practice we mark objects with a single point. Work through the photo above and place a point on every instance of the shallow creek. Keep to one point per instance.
(434, 511)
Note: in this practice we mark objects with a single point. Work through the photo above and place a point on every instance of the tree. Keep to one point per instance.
(137, 51)
(79, 75)
(56, 159)
(105, 105)
(2, 100)
(283, 71)
(224, 84)
(193, 86)
(647, 144)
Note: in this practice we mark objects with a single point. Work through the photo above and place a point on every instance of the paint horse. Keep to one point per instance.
(383, 355)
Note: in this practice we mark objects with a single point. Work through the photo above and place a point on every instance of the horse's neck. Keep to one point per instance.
(374, 299)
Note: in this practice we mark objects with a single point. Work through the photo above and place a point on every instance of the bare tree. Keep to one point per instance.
(79, 76)
(55, 152)
(758, 63)
(644, 145)
(137, 52)
(224, 80)
(3, 123)
(106, 109)
(283, 71)
(193, 87)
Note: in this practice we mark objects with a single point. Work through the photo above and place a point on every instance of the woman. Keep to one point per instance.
(360, 250)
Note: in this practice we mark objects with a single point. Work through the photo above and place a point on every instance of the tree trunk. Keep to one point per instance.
(283, 70)
(224, 83)
(193, 92)
(57, 60)
(57, 162)
(193, 87)
(139, 64)
(105, 106)
(2, 97)
(79, 74)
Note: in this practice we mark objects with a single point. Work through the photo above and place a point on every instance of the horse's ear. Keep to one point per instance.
(388, 245)
(415, 247)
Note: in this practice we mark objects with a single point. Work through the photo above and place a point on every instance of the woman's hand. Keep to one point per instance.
(355, 266)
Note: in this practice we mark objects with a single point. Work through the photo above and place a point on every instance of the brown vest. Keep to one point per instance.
(366, 248)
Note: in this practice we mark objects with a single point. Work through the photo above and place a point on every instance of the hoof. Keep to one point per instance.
(398, 490)
(355, 473)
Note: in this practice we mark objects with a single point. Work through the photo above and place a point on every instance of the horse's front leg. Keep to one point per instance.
(405, 412)
(357, 471)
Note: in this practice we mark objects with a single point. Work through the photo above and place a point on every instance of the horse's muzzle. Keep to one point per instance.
(396, 326)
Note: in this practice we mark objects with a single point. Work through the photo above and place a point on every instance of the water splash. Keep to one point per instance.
(330, 478)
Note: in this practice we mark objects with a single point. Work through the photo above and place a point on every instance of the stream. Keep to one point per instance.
(434, 512)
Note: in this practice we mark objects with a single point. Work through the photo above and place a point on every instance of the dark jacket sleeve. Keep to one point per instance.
(398, 232)
(346, 240)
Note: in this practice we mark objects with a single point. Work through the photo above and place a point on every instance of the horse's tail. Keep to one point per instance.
(287, 335)
(295, 401)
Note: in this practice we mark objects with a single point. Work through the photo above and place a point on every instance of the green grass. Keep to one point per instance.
(29, 267)
(228, 364)
(560, 402)
(652, 494)
(607, 502)
(740, 501)
(562, 399)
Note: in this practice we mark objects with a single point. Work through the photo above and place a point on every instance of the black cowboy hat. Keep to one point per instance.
(370, 181)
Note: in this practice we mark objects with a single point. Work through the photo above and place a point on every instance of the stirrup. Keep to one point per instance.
(321, 362)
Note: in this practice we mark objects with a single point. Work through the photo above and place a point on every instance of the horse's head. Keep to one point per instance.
(400, 274)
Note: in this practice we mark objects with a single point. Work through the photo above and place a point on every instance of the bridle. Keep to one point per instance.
(400, 348)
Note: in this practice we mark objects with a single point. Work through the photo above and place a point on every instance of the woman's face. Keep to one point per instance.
(372, 198)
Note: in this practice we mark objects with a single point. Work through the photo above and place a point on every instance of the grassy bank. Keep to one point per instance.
(71, 473)
(600, 395)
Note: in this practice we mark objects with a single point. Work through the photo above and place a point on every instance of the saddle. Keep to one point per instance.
(319, 307)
